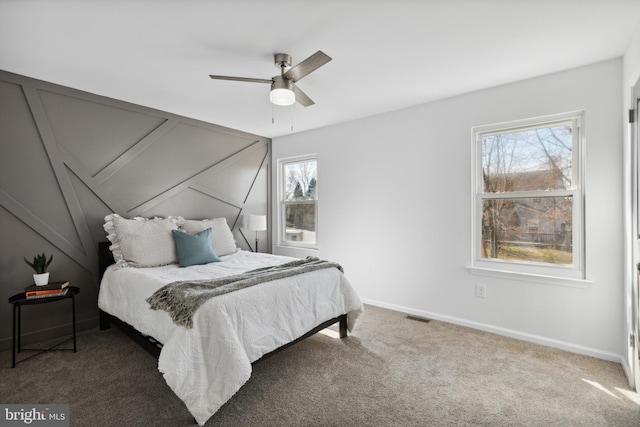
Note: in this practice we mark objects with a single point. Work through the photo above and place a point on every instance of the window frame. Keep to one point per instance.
(571, 275)
(282, 204)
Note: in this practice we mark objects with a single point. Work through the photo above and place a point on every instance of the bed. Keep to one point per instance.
(207, 360)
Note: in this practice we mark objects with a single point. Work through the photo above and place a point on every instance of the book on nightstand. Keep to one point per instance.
(46, 294)
(52, 289)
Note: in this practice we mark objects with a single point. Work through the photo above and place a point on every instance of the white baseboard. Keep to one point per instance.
(536, 339)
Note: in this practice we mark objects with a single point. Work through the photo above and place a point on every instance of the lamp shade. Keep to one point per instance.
(256, 222)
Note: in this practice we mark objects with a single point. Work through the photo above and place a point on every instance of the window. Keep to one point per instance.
(528, 209)
(298, 201)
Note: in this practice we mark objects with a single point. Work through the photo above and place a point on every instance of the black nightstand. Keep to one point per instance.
(18, 300)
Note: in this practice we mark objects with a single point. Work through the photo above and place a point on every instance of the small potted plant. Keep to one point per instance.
(40, 265)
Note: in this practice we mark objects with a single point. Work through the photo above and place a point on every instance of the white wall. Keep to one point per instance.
(395, 202)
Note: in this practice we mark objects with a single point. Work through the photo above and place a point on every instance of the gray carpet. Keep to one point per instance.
(391, 371)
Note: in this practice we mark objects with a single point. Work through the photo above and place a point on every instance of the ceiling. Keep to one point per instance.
(387, 54)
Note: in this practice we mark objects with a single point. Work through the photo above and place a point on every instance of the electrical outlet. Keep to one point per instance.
(481, 291)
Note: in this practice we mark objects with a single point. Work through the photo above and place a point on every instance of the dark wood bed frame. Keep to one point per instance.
(105, 259)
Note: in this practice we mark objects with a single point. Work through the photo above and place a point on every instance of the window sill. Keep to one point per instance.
(530, 277)
(294, 251)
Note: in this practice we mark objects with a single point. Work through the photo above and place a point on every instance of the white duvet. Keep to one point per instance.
(207, 364)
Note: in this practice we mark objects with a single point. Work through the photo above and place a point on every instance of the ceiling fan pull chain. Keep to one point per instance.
(292, 117)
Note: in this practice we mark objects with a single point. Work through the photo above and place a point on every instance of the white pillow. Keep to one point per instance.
(221, 236)
(141, 242)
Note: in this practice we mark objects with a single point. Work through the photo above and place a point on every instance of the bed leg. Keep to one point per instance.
(343, 326)
(105, 323)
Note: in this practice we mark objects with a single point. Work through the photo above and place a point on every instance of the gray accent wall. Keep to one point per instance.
(68, 158)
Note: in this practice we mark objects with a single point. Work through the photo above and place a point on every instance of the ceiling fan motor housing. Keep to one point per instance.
(280, 82)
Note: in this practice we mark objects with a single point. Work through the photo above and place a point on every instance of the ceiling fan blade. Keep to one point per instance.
(241, 79)
(302, 97)
(307, 66)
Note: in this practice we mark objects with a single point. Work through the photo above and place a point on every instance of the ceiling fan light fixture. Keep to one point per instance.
(283, 97)
(282, 92)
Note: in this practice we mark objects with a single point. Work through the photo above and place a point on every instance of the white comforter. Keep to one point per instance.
(206, 365)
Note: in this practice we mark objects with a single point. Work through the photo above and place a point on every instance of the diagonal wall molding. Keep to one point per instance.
(91, 182)
(42, 228)
(209, 172)
(134, 151)
(63, 179)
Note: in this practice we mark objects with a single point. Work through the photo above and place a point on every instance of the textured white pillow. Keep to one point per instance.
(221, 235)
(141, 242)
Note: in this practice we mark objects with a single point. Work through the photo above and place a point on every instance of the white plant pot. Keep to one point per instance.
(41, 279)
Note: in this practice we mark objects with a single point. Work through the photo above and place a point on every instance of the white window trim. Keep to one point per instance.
(575, 275)
(282, 242)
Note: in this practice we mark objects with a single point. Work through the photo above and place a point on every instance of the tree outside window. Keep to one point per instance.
(299, 201)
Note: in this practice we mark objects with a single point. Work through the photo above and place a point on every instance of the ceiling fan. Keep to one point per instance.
(283, 88)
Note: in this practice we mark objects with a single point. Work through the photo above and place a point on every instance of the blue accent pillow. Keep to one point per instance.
(194, 249)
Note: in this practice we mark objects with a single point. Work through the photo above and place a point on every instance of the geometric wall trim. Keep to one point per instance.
(68, 158)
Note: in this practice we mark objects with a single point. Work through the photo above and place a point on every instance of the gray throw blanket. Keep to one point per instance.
(181, 299)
